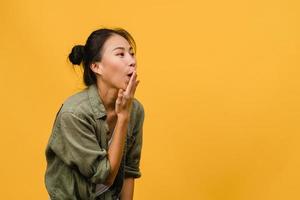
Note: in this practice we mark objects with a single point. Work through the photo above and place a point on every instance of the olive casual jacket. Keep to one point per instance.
(77, 149)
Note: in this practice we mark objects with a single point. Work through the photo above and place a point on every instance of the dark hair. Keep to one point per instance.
(91, 51)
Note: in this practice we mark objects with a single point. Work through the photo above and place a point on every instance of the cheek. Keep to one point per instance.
(114, 72)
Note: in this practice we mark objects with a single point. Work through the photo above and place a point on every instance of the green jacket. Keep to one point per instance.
(77, 149)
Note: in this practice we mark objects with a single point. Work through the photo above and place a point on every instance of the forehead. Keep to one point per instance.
(115, 41)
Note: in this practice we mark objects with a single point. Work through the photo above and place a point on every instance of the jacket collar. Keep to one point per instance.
(96, 102)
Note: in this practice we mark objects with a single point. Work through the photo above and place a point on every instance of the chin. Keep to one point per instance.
(125, 86)
(121, 87)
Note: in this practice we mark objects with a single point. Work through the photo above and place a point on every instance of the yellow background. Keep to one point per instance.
(219, 83)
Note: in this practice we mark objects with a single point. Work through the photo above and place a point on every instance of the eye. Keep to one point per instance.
(132, 54)
(122, 54)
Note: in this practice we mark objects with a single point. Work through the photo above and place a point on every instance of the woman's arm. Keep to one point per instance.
(127, 189)
(115, 151)
(123, 109)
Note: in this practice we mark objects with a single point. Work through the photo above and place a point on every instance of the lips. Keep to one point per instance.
(130, 74)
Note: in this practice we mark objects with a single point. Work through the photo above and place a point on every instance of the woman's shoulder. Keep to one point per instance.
(77, 103)
(138, 107)
(137, 113)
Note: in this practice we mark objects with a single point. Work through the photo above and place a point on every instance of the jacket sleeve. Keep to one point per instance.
(133, 156)
(75, 143)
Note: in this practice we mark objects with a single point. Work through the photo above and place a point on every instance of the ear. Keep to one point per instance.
(97, 68)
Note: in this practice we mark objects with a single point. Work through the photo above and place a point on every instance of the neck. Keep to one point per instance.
(108, 95)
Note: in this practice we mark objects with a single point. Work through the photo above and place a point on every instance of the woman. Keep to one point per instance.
(94, 149)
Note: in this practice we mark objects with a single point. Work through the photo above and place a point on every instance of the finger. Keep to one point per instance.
(132, 87)
(131, 83)
(136, 84)
(120, 96)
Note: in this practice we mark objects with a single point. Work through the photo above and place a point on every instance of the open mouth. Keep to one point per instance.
(130, 74)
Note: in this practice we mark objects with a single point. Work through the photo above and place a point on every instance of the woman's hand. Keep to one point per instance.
(125, 98)
(122, 109)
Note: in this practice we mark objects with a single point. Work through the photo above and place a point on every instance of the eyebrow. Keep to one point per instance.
(121, 48)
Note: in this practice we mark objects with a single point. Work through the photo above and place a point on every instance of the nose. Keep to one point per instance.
(133, 65)
(132, 62)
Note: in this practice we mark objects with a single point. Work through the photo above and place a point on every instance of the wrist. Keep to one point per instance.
(123, 118)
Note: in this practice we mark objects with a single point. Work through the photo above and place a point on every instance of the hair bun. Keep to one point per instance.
(77, 54)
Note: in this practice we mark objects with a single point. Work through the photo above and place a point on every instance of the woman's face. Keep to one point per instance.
(118, 62)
